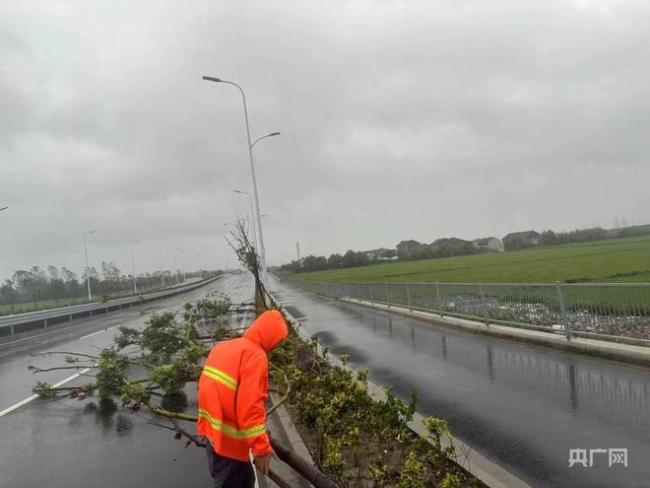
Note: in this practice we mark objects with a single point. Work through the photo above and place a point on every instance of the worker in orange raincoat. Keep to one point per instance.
(233, 389)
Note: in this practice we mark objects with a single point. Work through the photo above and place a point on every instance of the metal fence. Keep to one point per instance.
(613, 311)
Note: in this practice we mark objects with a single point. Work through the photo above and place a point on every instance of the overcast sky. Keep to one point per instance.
(399, 120)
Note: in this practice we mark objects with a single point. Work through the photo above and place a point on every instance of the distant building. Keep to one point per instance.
(380, 254)
(489, 244)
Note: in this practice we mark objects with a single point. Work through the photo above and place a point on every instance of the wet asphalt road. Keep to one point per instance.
(69, 443)
(521, 405)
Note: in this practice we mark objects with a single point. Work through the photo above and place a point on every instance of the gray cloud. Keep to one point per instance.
(399, 120)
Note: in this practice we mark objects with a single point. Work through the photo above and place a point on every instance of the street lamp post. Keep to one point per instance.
(86, 234)
(162, 270)
(250, 155)
(135, 283)
(176, 266)
(242, 192)
(178, 249)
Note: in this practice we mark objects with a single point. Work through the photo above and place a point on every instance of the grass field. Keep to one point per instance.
(618, 260)
(42, 305)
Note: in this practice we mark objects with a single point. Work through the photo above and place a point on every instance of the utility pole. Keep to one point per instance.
(162, 270)
(135, 284)
(298, 250)
(90, 295)
(176, 266)
(178, 249)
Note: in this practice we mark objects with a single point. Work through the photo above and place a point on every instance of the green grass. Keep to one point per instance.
(41, 305)
(617, 260)
(25, 307)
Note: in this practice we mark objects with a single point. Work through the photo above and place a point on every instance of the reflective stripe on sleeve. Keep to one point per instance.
(253, 431)
(229, 430)
(220, 377)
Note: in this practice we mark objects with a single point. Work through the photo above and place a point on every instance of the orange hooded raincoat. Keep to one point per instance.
(233, 389)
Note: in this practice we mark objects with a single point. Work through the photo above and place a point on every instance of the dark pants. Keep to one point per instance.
(229, 473)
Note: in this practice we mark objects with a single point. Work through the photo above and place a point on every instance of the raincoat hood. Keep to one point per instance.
(268, 331)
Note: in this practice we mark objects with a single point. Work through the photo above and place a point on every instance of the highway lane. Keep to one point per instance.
(87, 337)
(66, 442)
(521, 405)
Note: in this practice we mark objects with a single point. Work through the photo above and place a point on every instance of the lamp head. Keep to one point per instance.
(212, 78)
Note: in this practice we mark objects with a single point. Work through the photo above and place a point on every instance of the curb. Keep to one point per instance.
(626, 353)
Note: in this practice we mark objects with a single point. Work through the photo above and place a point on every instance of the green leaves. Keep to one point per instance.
(44, 390)
(414, 473)
(170, 355)
(111, 373)
(354, 439)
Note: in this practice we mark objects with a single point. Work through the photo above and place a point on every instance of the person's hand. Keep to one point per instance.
(263, 464)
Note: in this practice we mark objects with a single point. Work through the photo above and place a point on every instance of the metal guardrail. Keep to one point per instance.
(15, 324)
(611, 311)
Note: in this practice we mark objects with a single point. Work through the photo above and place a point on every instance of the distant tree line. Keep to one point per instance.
(441, 248)
(531, 238)
(36, 285)
(350, 259)
(411, 250)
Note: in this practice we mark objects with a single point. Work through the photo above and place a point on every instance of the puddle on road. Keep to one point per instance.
(296, 313)
(355, 355)
(326, 337)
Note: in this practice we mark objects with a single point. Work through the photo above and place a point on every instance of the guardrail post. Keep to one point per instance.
(563, 314)
(439, 299)
(408, 296)
(359, 291)
(44, 323)
(372, 298)
(486, 316)
(387, 295)
(13, 332)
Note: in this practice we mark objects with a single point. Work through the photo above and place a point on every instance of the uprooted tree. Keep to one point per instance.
(354, 440)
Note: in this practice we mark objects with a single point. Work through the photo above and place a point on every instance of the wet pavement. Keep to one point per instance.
(69, 443)
(523, 406)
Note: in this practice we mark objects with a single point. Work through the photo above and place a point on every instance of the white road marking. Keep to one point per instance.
(34, 397)
(94, 333)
